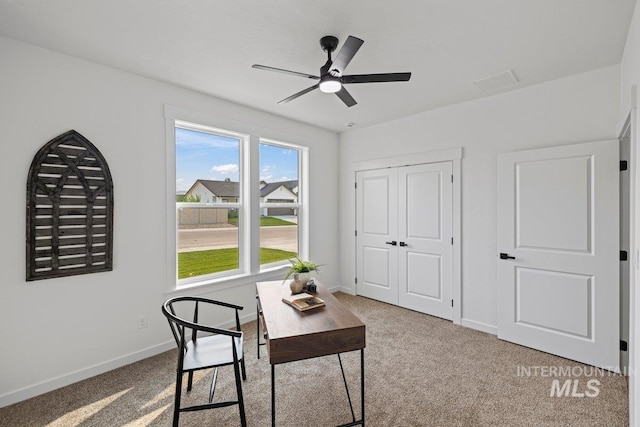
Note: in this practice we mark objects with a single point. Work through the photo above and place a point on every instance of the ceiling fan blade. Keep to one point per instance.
(346, 54)
(376, 78)
(346, 97)
(280, 70)
(296, 95)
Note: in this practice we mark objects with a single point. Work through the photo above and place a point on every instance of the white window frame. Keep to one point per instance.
(303, 161)
(243, 141)
(249, 213)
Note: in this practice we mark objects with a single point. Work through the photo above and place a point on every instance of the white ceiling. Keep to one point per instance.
(210, 45)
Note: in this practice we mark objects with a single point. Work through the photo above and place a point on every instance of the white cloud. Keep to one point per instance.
(225, 169)
(266, 178)
(181, 184)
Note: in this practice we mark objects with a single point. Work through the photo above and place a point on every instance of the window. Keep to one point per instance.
(222, 225)
(279, 171)
(208, 220)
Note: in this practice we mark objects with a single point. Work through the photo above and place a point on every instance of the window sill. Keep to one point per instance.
(217, 284)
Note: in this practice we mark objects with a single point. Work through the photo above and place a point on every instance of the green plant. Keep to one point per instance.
(192, 198)
(299, 266)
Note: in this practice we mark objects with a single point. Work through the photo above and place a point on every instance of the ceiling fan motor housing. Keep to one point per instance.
(329, 43)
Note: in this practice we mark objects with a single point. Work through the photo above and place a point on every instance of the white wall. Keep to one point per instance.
(60, 330)
(630, 69)
(570, 110)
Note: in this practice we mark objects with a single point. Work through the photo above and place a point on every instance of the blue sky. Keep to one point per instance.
(202, 155)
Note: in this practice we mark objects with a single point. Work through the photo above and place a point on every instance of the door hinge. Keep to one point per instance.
(451, 178)
(624, 256)
(356, 233)
(452, 240)
(624, 165)
(451, 303)
(356, 185)
(624, 346)
(356, 280)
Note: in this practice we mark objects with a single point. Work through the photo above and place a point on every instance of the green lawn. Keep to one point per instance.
(197, 263)
(266, 221)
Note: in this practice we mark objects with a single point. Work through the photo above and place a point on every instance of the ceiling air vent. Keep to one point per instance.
(498, 81)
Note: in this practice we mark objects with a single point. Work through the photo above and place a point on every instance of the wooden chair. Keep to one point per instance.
(215, 348)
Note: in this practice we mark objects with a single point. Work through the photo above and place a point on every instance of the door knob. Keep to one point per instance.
(392, 243)
(403, 244)
(506, 256)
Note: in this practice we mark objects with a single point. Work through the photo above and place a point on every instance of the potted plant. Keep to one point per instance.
(300, 271)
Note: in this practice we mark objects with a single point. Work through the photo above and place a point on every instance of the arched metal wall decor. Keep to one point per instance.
(69, 210)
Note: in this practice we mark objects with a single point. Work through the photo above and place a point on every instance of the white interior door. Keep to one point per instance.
(377, 218)
(425, 229)
(404, 252)
(558, 217)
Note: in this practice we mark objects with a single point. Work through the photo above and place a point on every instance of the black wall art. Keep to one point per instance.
(69, 210)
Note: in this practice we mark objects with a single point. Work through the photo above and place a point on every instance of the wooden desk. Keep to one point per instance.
(293, 335)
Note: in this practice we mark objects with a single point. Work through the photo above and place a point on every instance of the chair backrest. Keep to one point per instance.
(180, 326)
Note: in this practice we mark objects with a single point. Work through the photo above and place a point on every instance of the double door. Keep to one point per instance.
(404, 236)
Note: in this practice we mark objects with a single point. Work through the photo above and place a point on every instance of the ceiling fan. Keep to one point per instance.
(332, 79)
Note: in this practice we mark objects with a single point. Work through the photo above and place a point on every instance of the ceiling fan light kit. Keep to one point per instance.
(330, 84)
(332, 78)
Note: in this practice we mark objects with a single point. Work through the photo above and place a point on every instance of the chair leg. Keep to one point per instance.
(190, 383)
(176, 406)
(244, 371)
(243, 418)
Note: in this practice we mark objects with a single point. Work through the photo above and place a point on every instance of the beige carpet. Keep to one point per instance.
(420, 371)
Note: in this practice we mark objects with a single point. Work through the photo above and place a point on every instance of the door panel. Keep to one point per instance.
(425, 227)
(558, 217)
(375, 266)
(565, 296)
(377, 261)
(376, 209)
(423, 199)
(424, 278)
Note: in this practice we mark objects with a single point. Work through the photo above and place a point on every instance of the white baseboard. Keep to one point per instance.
(82, 374)
(100, 368)
(341, 289)
(479, 326)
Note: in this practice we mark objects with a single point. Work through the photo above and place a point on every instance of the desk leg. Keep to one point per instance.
(362, 382)
(273, 396)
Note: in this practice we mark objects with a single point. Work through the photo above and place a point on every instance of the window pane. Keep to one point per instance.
(202, 156)
(278, 185)
(207, 172)
(207, 241)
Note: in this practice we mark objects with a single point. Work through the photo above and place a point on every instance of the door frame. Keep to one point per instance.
(630, 129)
(453, 155)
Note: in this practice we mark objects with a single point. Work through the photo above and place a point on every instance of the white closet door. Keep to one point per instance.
(558, 219)
(377, 213)
(425, 230)
(404, 230)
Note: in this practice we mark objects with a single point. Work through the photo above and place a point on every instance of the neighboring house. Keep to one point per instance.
(228, 191)
(215, 191)
(279, 192)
